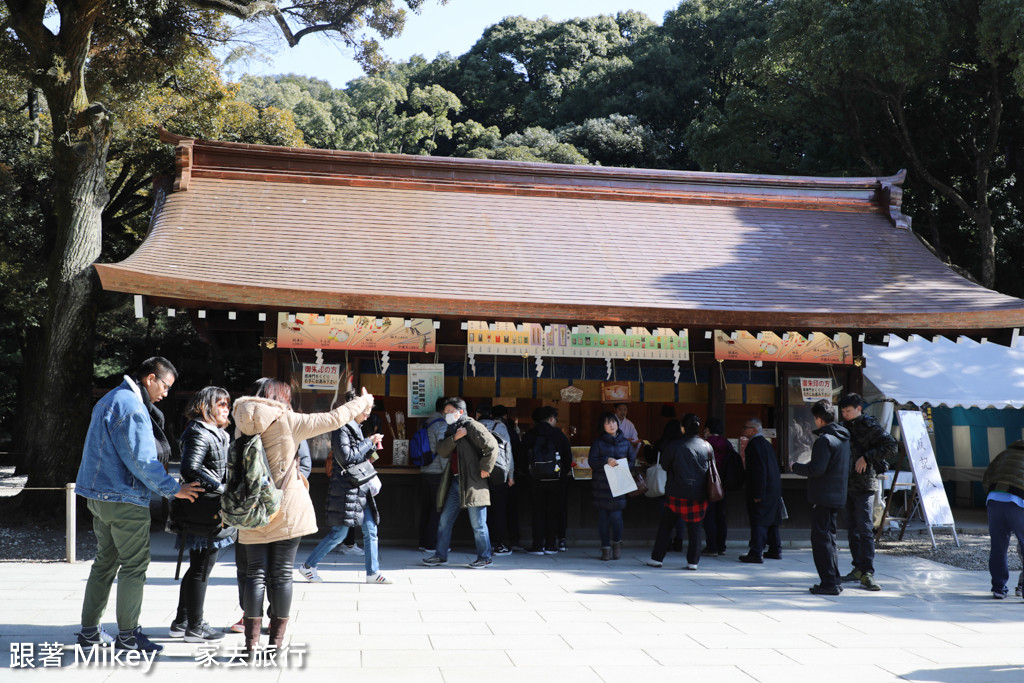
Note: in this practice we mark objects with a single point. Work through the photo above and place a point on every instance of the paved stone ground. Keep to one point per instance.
(569, 617)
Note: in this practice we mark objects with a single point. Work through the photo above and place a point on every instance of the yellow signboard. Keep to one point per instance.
(794, 348)
(339, 332)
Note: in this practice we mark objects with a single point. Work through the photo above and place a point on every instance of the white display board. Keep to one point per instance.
(934, 503)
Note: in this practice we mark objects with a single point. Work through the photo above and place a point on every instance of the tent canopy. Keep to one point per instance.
(965, 374)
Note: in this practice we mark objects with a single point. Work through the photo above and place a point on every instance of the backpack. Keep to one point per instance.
(503, 444)
(251, 498)
(544, 460)
(419, 445)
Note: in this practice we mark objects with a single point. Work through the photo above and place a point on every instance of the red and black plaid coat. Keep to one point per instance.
(688, 510)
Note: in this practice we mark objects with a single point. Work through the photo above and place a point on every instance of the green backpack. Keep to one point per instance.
(251, 498)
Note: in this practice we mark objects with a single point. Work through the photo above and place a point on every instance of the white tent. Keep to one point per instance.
(942, 372)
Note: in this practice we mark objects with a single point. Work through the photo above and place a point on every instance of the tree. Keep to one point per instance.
(74, 52)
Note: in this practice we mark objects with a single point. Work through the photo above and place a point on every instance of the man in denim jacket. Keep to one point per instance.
(119, 469)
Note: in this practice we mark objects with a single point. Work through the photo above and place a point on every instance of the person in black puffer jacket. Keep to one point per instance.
(204, 458)
(609, 447)
(347, 505)
(870, 449)
(685, 462)
(827, 474)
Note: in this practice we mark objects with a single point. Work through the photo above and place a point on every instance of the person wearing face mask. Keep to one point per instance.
(348, 505)
(472, 454)
(270, 550)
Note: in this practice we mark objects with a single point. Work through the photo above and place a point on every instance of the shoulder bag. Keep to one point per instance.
(360, 473)
(716, 491)
(656, 479)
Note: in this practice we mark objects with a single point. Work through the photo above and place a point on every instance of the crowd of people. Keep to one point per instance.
(474, 464)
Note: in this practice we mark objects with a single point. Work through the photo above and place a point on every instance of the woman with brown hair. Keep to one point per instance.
(204, 458)
(270, 550)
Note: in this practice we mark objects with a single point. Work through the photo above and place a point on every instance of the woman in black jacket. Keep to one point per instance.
(608, 448)
(347, 505)
(686, 495)
(204, 458)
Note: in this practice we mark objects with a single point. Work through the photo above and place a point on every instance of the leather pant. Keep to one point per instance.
(269, 572)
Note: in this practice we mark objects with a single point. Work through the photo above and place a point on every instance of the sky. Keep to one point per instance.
(453, 28)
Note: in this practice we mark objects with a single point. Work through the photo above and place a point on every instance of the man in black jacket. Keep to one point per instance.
(764, 495)
(827, 475)
(870, 448)
(546, 495)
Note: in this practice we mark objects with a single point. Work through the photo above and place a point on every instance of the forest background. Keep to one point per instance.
(793, 87)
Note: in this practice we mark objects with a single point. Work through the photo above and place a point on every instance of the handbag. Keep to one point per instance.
(359, 473)
(641, 485)
(716, 491)
(200, 517)
(656, 479)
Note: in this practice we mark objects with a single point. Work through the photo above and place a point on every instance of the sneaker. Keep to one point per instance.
(177, 629)
(535, 551)
(1017, 591)
(750, 558)
(238, 626)
(775, 554)
(480, 564)
(136, 640)
(352, 550)
(377, 578)
(562, 547)
(708, 552)
(550, 551)
(502, 550)
(818, 589)
(653, 563)
(867, 582)
(202, 633)
(691, 567)
(434, 561)
(100, 637)
(997, 595)
(310, 573)
(429, 551)
(855, 575)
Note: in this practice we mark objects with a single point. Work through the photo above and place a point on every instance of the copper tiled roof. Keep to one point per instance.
(316, 231)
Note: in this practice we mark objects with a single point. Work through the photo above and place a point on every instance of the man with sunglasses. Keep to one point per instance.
(120, 466)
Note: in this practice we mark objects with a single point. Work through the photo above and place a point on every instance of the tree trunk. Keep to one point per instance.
(57, 384)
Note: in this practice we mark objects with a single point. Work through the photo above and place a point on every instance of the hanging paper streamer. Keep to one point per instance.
(319, 356)
(675, 370)
(384, 362)
(540, 366)
(472, 364)
(608, 361)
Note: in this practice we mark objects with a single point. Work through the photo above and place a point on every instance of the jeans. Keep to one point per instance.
(670, 520)
(716, 526)
(860, 530)
(122, 548)
(269, 572)
(338, 533)
(823, 544)
(609, 526)
(1003, 519)
(477, 520)
(429, 515)
(192, 594)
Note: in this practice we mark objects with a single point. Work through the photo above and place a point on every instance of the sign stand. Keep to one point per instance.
(928, 488)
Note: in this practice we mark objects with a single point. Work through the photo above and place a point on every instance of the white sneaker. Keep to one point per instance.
(354, 550)
(309, 573)
(691, 567)
(653, 563)
(377, 578)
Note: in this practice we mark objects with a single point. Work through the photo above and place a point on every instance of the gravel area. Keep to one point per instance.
(43, 543)
(972, 553)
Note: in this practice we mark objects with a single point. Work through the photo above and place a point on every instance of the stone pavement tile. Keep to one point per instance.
(983, 640)
(451, 627)
(847, 672)
(412, 661)
(312, 673)
(973, 655)
(480, 617)
(910, 638)
(580, 628)
(668, 627)
(981, 673)
(876, 656)
(609, 615)
(360, 642)
(681, 639)
(756, 641)
(489, 641)
(557, 658)
(518, 674)
(703, 657)
(726, 673)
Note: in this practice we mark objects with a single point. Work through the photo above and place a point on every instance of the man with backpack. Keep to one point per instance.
(549, 462)
(423, 452)
(472, 454)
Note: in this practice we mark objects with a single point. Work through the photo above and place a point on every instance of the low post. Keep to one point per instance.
(69, 521)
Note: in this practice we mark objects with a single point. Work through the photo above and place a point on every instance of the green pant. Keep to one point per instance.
(122, 548)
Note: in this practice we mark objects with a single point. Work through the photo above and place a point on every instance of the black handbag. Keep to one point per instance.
(200, 517)
(360, 473)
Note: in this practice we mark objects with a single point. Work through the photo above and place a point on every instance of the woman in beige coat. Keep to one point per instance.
(270, 550)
